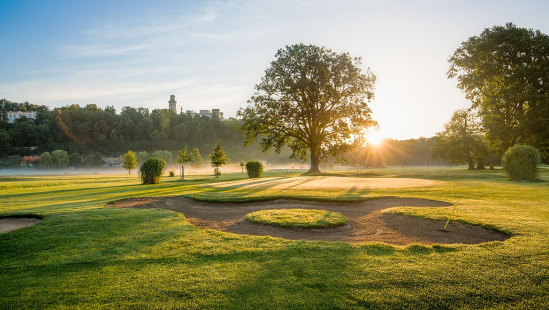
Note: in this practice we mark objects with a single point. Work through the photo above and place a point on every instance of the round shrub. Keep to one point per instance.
(151, 170)
(302, 218)
(521, 163)
(254, 168)
(172, 174)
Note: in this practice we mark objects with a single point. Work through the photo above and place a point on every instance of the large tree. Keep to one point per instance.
(504, 72)
(313, 100)
(462, 141)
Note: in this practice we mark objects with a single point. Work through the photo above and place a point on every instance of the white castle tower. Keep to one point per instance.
(173, 103)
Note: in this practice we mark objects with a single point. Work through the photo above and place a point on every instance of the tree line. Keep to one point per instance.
(504, 72)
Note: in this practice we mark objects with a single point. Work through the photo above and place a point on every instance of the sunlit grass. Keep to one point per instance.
(83, 255)
(301, 218)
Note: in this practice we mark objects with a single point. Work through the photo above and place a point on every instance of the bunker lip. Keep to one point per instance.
(367, 222)
(8, 224)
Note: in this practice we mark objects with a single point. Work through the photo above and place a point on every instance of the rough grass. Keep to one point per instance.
(85, 256)
(301, 218)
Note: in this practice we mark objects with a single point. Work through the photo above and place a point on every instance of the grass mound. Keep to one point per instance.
(298, 218)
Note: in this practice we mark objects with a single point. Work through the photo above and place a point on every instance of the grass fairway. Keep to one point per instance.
(83, 255)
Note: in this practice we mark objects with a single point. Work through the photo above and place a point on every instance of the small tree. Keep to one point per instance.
(129, 161)
(151, 170)
(196, 158)
(254, 168)
(182, 159)
(46, 160)
(242, 164)
(217, 159)
(60, 159)
(521, 162)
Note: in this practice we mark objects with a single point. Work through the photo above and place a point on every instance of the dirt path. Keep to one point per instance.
(9, 224)
(367, 222)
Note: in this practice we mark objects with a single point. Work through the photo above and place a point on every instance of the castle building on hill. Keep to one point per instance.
(173, 103)
(208, 113)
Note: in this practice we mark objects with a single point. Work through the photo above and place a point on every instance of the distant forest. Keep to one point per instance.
(90, 129)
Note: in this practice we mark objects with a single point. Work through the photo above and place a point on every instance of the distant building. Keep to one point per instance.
(29, 160)
(173, 103)
(12, 116)
(208, 113)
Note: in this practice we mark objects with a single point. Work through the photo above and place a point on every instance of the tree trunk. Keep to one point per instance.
(182, 172)
(314, 162)
(471, 163)
(480, 164)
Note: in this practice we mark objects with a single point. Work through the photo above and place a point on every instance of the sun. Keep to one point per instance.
(374, 137)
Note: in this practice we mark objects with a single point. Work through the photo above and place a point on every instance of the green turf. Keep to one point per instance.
(83, 255)
(301, 218)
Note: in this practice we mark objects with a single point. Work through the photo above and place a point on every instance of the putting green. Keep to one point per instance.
(313, 182)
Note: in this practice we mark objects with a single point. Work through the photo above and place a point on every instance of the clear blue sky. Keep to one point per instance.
(210, 54)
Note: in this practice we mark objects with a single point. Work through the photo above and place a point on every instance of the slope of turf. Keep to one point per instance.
(85, 256)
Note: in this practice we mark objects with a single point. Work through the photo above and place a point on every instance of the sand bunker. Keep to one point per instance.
(367, 222)
(324, 183)
(9, 224)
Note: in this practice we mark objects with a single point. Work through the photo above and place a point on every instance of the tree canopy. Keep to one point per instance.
(313, 100)
(504, 72)
(461, 141)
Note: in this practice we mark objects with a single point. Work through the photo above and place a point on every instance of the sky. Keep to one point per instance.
(211, 54)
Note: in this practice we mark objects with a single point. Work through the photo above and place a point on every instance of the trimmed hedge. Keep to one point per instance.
(151, 170)
(521, 163)
(254, 169)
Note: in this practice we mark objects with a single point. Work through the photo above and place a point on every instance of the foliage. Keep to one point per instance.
(254, 168)
(182, 159)
(217, 158)
(302, 218)
(164, 154)
(94, 160)
(151, 170)
(142, 156)
(521, 163)
(196, 158)
(461, 141)
(313, 100)
(129, 161)
(46, 161)
(172, 174)
(503, 71)
(75, 160)
(60, 159)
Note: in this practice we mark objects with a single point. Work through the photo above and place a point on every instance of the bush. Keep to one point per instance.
(521, 162)
(172, 174)
(151, 170)
(254, 169)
